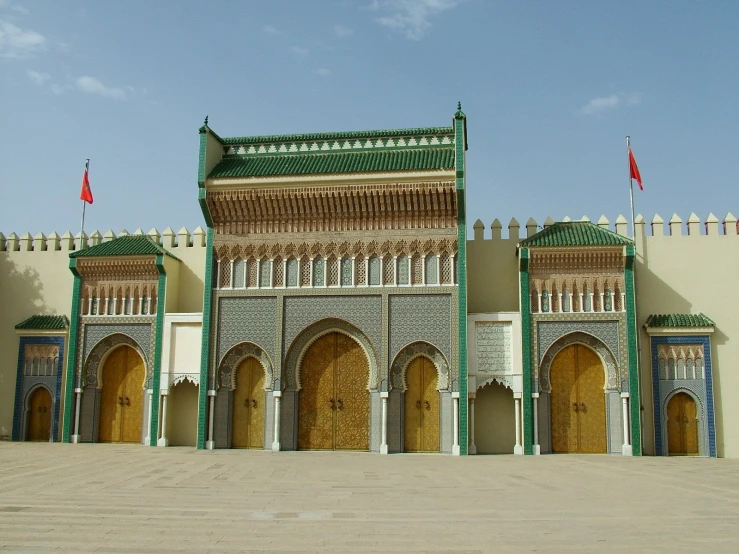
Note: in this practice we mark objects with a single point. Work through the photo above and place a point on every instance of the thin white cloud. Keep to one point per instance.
(605, 104)
(343, 32)
(21, 10)
(36, 77)
(59, 89)
(91, 85)
(300, 51)
(270, 30)
(410, 17)
(19, 44)
(323, 72)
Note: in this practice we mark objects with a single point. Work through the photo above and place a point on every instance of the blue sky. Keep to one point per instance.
(550, 90)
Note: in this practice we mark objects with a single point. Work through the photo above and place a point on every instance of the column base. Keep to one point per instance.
(147, 441)
(627, 450)
(518, 450)
(383, 449)
(163, 442)
(275, 447)
(210, 445)
(455, 450)
(472, 449)
(536, 450)
(75, 439)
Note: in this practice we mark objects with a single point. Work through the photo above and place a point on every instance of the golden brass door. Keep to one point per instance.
(682, 426)
(39, 415)
(247, 418)
(578, 407)
(421, 428)
(121, 401)
(333, 411)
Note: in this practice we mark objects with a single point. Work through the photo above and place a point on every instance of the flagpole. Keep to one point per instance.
(631, 190)
(82, 225)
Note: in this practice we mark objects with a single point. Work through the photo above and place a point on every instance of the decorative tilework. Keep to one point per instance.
(431, 274)
(424, 318)
(318, 272)
(346, 272)
(243, 319)
(403, 271)
(363, 312)
(25, 384)
(238, 354)
(100, 350)
(142, 335)
(239, 273)
(292, 272)
(264, 271)
(611, 366)
(374, 270)
(410, 353)
(700, 389)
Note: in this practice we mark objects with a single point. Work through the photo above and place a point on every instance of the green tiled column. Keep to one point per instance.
(528, 418)
(634, 393)
(205, 340)
(74, 328)
(158, 339)
(460, 147)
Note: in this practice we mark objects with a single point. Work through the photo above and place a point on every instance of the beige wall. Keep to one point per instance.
(495, 423)
(492, 273)
(36, 281)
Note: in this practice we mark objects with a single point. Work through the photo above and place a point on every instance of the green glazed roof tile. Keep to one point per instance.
(44, 322)
(419, 131)
(335, 162)
(575, 233)
(134, 245)
(679, 320)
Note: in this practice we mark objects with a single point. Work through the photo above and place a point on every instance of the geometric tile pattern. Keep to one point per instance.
(246, 320)
(141, 333)
(415, 318)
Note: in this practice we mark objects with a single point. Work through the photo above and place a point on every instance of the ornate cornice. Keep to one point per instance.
(576, 261)
(118, 268)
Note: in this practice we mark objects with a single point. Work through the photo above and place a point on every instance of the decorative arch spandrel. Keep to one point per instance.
(606, 356)
(409, 353)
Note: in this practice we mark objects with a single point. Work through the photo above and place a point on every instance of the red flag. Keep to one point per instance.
(86, 193)
(634, 169)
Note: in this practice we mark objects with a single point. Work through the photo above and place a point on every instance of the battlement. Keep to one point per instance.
(694, 226)
(169, 239)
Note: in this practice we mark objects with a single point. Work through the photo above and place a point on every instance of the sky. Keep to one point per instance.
(550, 89)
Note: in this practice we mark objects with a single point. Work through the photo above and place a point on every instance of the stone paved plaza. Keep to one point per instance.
(120, 498)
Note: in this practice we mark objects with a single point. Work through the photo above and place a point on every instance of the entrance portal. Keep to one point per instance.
(421, 407)
(247, 419)
(121, 404)
(39, 415)
(682, 426)
(578, 402)
(333, 411)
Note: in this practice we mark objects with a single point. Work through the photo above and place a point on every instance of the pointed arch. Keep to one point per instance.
(100, 352)
(237, 354)
(409, 353)
(610, 365)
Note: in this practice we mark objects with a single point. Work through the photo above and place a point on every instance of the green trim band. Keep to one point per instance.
(460, 146)
(528, 416)
(631, 330)
(72, 345)
(158, 338)
(205, 339)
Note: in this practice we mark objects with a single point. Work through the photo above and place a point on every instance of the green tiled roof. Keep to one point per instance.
(419, 131)
(575, 233)
(406, 159)
(133, 245)
(44, 322)
(679, 320)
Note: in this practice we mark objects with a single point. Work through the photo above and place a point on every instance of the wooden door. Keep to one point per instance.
(121, 400)
(422, 413)
(682, 426)
(333, 410)
(578, 410)
(39, 415)
(247, 418)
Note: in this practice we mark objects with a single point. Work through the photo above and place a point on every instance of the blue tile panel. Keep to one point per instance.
(19, 382)
(705, 341)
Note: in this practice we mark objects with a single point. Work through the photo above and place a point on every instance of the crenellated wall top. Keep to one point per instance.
(67, 242)
(657, 227)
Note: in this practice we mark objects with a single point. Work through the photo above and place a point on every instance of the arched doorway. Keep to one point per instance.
(421, 428)
(121, 403)
(247, 418)
(495, 419)
(682, 425)
(182, 414)
(39, 415)
(578, 408)
(333, 405)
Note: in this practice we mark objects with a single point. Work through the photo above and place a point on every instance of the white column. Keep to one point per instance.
(383, 442)
(163, 418)
(148, 305)
(276, 438)
(310, 273)
(623, 302)
(115, 305)
(582, 306)
(217, 280)
(395, 270)
(284, 273)
(518, 448)
(455, 412)
(150, 394)
(536, 446)
(539, 306)
(626, 449)
(472, 448)
(602, 306)
(423, 270)
(97, 306)
(76, 436)
(438, 270)
(354, 279)
(559, 302)
(592, 301)
(233, 277)
(89, 306)
(451, 257)
(271, 272)
(210, 443)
